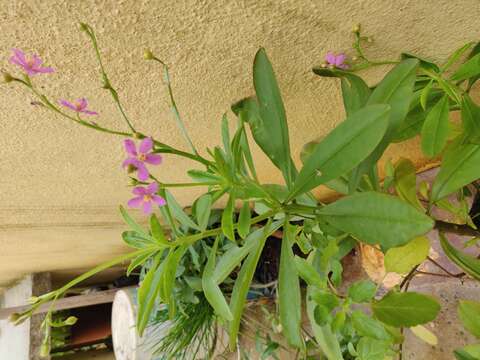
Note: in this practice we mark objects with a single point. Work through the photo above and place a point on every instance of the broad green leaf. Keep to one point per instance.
(343, 148)
(424, 334)
(405, 309)
(402, 259)
(324, 336)
(242, 285)
(468, 69)
(147, 294)
(169, 276)
(203, 208)
(424, 63)
(244, 220)
(471, 120)
(178, 212)
(459, 168)
(376, 218)
(132, 223)
(355, 92)
(372, 349)
(157, 231)
(135, 240)
(289, 297)
(362, 291)
(469, 313)
(367, 326)
(307, 272)
(435, 128)
(469, 352)
(210, 288)
(227, 218)
(405, 181)
(396, 90)
(234, 255)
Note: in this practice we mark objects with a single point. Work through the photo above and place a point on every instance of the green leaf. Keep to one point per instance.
(324, 336)
(471, 120)
(268, 121)
(157, 231)
(289, 299)
(469, 313)
(226, 137)
(459, 168)
(132, 223)
(402, 259)
(405, 309)
(362, 291)
(424, 95)
(396, 90)
(377, 218)
(344, 148)
(148, 292)
(169, 276)
(210, 288)
(178, 212)
(135, 240)
(140, 260)
(367, 326)
(468, 69)
(467, 263)
(203, 208)
(227, 218)
(244, 220)
(469, 352)
(435, 128)
(424, 334)
(242, 285)
(307, 272)
(424, 63)
(452, 59)
(405, 181)
(355, 92)
(204, 177)
(371, 349)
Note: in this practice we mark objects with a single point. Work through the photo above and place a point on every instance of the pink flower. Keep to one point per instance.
(138, 159)
(31, 64)
(336, 60)
(79, 106)
(145, 198)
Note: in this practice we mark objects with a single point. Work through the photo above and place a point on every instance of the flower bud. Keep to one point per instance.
(138, 136)
(14, 317)
(44, 350)
(148, 55)
(131, 169)
(83, 27)
(71, 320)
(7, 77)
(356, 29)
(133, 182)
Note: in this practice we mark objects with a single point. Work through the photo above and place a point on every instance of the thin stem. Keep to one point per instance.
(458, 229)
(459, 275)
(406, 281)
(175, 111)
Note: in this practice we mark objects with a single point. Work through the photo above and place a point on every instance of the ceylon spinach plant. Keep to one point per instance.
(416, 97)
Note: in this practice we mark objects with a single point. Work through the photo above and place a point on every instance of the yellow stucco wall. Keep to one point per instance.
(56, 176)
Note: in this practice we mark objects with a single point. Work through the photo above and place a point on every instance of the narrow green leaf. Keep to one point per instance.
(459, 168)
(424, 63)
(377, 218)
(140, 260)
(471, 120)
(169, 276)
(307, 272)
(178, 212)
(227, 218)
(424, 95)
(244, 220)
(242, 285)
(402, 259)
(467, 263)
(469, 313)
(344, 148)
(203, 208)
(132, 223)
(204, 177)
(135, 240)
(405, 181)
(435, 128)
(210, 288)
(468, 69)
(452, 59)
(226, 137)
(405, 309)
(289, 298)
(157, 231)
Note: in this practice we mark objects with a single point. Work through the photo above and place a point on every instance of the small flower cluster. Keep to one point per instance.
(145, 197)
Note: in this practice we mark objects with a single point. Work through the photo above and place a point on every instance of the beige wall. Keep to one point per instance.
(60, 184)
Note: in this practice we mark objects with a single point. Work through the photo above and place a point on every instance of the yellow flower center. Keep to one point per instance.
(142, 157)
(147, 198)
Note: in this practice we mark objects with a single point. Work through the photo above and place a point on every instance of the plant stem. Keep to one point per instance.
(459, 275)
(458, 229)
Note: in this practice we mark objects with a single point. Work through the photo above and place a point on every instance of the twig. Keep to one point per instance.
(459, 275)
(458, 229)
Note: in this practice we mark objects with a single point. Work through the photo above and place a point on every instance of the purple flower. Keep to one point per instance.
(31, 64)
(138, 159)
(336, 60)
(79, 106)
(145, 198)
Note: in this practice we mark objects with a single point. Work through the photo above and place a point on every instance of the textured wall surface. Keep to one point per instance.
(61, 184)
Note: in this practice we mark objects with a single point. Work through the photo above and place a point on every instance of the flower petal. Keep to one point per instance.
(131, 161)
(147, 207)
(45, 70)
(142, 171)
(36, 61)
(82, 104)
(89, 112)
(20, 56)
(330, 58)
(139, 190)
(68, 104)
(146, 145)
(135, 202)
(130, 147)
(152, 188)
(340, 59)
(153, 159)
(160, 201)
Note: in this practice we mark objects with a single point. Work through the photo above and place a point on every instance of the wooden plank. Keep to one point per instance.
(100, 297)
